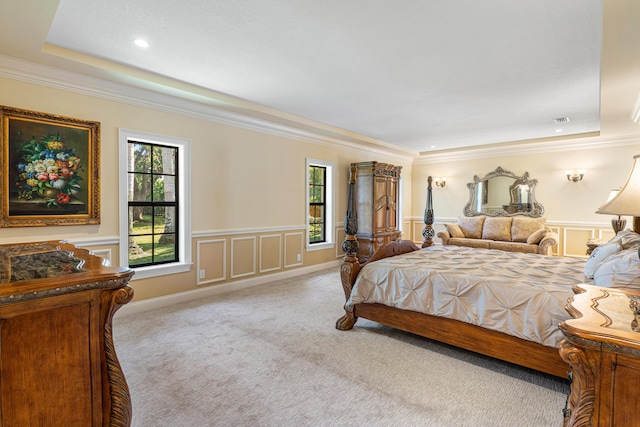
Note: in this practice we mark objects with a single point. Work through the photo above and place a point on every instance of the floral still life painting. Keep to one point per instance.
(50, 169)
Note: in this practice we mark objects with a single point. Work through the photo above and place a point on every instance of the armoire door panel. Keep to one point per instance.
(376, 191)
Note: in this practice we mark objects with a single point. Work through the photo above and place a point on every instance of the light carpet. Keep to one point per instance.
(270, 355)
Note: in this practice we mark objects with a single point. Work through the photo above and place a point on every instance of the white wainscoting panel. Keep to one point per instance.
(215, 266)
(288, 250)
(247, 247)
(265, 242)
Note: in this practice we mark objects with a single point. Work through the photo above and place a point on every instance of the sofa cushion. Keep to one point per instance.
(471, 226)
(537, 236)
(513, 247)
(454, 230)
(472, 243)
(522, 227)
(497, 228)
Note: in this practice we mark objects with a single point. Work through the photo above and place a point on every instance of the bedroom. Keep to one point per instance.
(248, 230)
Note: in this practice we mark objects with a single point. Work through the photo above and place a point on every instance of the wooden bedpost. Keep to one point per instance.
(428, 232)
(350, 264)
(350, 244)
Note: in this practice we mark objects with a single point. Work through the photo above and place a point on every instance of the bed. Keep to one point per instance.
(502, 304)
(505, 305)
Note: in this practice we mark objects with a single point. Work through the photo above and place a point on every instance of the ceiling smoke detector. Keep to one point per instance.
(561, 120)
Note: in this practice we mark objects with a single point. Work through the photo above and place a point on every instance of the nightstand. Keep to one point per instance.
(603, 349)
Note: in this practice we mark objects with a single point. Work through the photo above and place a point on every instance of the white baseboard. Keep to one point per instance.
(167, 300)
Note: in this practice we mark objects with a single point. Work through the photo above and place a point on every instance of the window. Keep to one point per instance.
(155, 234)
(319, 204)
(153, 202)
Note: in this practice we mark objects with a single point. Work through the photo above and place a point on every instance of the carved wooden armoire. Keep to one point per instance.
(376, 196)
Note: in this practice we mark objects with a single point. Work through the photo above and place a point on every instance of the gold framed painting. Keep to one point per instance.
(50, 169)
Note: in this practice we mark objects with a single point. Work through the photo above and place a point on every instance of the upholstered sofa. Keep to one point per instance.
(514, 234)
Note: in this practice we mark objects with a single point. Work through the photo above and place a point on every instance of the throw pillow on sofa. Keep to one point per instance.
(522, 227)
(537, 236)
(454, 231)
(471, 226)
(497, 228)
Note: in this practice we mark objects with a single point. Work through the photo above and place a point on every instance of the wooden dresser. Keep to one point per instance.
(602, 346)
(58, 364)
(376, 195)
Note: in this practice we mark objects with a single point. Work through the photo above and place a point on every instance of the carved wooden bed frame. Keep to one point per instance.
(454, 332)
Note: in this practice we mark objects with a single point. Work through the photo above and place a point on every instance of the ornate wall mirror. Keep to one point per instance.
(502, 193)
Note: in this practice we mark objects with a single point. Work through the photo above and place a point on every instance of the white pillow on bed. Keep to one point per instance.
(626, 238)
(598, 256)
(620, 270)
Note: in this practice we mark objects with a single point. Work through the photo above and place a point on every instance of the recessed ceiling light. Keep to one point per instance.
(141, 42)
(433, 146)
(558, 130)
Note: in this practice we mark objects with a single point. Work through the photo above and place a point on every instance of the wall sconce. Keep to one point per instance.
(440, 182)
(575, 176)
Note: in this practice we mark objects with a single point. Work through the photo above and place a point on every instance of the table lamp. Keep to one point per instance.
(620, 223)
(627, 199)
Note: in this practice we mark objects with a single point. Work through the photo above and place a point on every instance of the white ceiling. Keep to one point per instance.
(423, 75)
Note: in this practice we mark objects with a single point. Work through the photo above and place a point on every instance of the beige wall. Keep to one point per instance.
(569, 207)
(564, 201)
(248, 190)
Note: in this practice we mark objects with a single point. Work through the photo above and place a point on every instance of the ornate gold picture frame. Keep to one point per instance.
(50, 169)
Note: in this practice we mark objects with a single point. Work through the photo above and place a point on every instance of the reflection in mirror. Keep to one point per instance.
(502, 193)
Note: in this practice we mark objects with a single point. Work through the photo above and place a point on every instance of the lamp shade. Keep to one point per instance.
(613, 194)
(627, 201)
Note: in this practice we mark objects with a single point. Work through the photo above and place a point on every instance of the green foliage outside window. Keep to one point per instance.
(317, 204)
(153, 204)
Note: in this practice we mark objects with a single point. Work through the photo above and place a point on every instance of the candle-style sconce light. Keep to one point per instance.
(575, 176)
(440, 182)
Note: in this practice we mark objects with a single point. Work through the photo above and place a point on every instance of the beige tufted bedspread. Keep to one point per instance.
(516, 293)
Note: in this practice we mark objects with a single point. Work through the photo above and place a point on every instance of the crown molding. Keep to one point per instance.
(194, 105)
(529, 148)
(202, 107)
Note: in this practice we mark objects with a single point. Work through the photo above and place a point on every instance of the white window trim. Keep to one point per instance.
(184, 188)
(330, 203)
